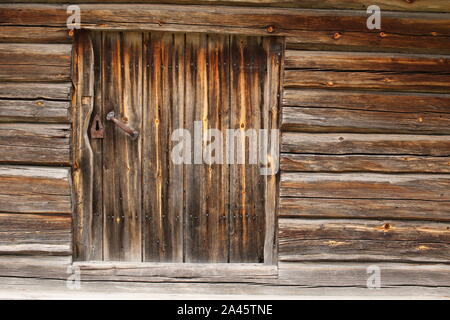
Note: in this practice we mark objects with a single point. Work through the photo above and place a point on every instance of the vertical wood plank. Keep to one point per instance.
(82, 101)
(122, 167)
(196, 108)
(247, 188)
(97, 150)
(163, 180)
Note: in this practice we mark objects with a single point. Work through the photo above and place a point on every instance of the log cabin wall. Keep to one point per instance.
(365, 146)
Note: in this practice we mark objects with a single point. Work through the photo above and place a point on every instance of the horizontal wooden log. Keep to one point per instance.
(365, 121)
(363, 240)
(338, 40)
(17, 34)
(49, 267)
(35, 234)
(35, 90)
(364, 100)
(283, 22)
(366, 61)
(35, 62)
(364, 208)
(347, 143)
(364, 163)
(34, 111)
(417, 82)
(352, 274)
(366, 186)
(400, 5)
(35, 143)
(21, 181)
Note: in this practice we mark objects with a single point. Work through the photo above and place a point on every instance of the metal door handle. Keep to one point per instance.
(111, 116)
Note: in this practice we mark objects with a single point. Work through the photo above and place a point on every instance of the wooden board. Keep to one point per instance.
(346, 143)
(318, 119)
(122, 92)
(364, 208)
(370, 101)
(19, 34)
(366, 186)
(46, 144)
(364, 163)
(36, 90)
(302, 240)
(35, 111)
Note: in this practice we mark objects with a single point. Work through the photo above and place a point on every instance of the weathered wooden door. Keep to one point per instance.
(146, 207)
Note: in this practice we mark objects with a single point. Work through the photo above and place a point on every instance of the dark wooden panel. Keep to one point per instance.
(341, 40)
(389, 81)
(16, 34)
(35, 90)
(34, 189)
(35, 143)
(366, 186)
(122, 155)
(366, 163)
(400, 5)
(35, 62)
(163, 113)
(342, 120)
(346, 143)
(35, 234)
(371, 101)
(362, 61)
(364, 208)
(302, 240)
(34, 111)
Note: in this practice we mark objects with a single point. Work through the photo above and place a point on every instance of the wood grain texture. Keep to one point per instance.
(400, 5)
(21, 34)
(364, 121)
(369, 101)
(366, 61)
(35, 111)
(364, 209)
(46, 144)
(364, 163)
(164, 78)
(346, 143)
(27, 189)
(302, 240)
(366, 186)
(36, 90)
(35, 234)
(387, 81)
(82, 101)
(122, 155)
(35, 266)
(35, 62)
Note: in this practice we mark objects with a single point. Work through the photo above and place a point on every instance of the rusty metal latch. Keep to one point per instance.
(111, 116)
(97, 129)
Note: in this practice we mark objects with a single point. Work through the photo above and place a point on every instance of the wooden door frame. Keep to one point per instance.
(83, 160)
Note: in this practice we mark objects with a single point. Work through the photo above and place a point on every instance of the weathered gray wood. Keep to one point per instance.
(35, 143)
(359, 61)
(388, 81)
(364, 208)
(82, 100)
(344, 143)
(371, 101)
(364, 163)
(49, 267)
(16, 34)
(35, 90)
(35, 62)
(35, 234)
(35, 111)
(365, 121)
(366, 186)
(364, 240)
